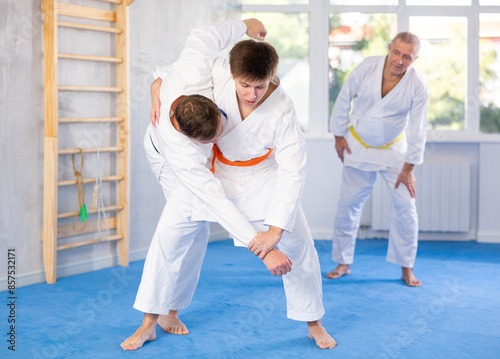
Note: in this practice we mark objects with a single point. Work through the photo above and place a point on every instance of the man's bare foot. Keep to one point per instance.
(145, 333)
(342, 269)
(318, 333)
(172, 324)
(409, 278)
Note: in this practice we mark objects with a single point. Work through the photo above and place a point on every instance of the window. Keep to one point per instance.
(364, 2)
(438, 2)
(352, 37)
(293, 49)
(489, 72)
(460, 55)
(489, 2)
(274, 2)
(443, 62)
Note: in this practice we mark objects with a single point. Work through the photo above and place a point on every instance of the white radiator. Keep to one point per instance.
(443, 198)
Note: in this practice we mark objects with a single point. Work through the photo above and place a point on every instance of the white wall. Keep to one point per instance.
(489, 193)
(21, 134)
(322, 187)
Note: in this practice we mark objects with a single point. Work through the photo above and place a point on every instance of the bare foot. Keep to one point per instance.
(342, 269)
(172, 324)
(409, 278)
(145, 333)
(318, 333)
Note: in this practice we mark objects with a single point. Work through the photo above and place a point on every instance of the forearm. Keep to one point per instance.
(264, 242)
(408, 167)
(155, 90)
(275, 231)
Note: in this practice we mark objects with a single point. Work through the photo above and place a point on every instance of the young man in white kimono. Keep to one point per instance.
(177, 152)
(385, 134)
(260, 160)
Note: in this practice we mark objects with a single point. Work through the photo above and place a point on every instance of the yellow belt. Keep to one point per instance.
(356, 136)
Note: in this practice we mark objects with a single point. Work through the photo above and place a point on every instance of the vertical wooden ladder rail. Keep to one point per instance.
(50, 156)
(123, 70)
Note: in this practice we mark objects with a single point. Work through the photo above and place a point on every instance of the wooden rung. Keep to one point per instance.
(90, 119)
(89, 211)
(115, 237)
(112, 1)
(91, 226)
(90, 89)
(71, 151)
(85, 12)
(90, 180)
(75, 25)
(116, 60)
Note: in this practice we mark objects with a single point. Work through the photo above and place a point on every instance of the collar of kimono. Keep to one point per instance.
(171, 114)
(254, 161)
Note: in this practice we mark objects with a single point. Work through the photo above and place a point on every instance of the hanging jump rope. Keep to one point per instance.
(81, 192)
(97, 200)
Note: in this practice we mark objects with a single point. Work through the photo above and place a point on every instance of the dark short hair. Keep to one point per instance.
(198, 117)
(253, 60)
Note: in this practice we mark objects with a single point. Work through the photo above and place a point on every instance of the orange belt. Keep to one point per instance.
(254, 161)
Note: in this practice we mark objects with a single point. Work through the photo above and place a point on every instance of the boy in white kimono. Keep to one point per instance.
(260, 161)
(177, 152)
(385, 134)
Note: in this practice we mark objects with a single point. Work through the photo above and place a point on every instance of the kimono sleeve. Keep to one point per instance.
(339, 120)
(197, 179)
(290, 147)
(416, 130)
(202, 47)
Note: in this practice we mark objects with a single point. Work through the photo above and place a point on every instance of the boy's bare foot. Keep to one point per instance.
(145, 333)
(409, 278)
(172, 324)
(318, 333)
(341, 270)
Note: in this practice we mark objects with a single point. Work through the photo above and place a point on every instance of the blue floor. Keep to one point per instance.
(239, 309)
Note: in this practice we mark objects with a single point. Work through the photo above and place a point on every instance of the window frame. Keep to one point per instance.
(319, 11)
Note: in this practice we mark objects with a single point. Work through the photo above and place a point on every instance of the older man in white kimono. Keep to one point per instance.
(385, 134)
(178, 158)
(260, 159)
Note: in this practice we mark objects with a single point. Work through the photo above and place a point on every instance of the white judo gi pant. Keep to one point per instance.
(357, 186)
(173, 263)
(303, 286)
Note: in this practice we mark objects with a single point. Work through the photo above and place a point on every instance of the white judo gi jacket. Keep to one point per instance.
(270, 190)
(379, 121)
(190, 74)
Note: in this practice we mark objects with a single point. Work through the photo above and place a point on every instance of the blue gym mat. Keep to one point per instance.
(239, 309)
